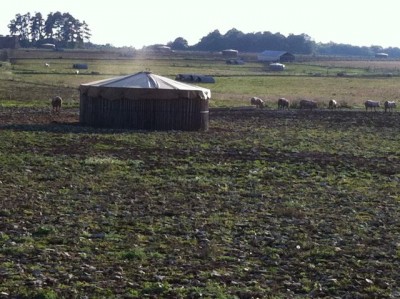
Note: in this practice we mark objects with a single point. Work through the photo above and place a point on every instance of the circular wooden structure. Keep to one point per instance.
(144, 101)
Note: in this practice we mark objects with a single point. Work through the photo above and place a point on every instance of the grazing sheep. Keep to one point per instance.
(259, 103)
(47, 65)
(307, 104)
(333, 104)
(389, 105)
(283, 103)
(371, 104)
(56, 103)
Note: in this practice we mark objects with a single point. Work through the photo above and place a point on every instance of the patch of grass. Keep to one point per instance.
(43, 231)
(32, 85)
(137, 254)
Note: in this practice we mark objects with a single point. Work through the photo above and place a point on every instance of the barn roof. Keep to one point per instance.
(271, 55)
(230, 50)
(147, 80)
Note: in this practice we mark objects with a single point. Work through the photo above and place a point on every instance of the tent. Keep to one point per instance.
(144, 101)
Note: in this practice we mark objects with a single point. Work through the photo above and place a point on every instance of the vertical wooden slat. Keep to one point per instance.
(145, 114)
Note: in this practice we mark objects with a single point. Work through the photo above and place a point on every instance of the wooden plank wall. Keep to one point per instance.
(144, 114)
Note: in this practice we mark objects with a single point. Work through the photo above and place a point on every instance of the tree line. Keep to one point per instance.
(65, 31)
(260, 41)
(248, 42)
(61, 29)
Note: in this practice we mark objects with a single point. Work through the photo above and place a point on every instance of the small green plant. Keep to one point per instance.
(43, 231)
(155, 288)
(43, 294)
(137, 254)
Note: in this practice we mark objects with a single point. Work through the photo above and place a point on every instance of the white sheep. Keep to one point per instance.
(389, 105)
(283, 103)
(371, 104)
(308, 104)
(259, 103)
(333, 104)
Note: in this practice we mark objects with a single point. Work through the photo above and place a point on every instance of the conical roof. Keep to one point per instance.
(148, 80)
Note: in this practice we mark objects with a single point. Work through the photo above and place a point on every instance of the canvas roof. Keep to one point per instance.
(146, 81)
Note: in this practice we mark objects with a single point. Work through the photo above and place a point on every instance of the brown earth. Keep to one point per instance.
(161, 236)
(27, 116)
(43, 116)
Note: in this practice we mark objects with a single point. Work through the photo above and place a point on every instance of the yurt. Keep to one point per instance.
(144, 101)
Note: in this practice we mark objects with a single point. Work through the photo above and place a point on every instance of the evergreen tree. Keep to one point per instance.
(37, 27)
(59, 28)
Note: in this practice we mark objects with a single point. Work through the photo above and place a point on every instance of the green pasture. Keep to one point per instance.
(27, 82)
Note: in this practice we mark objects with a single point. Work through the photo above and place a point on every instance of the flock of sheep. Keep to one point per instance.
(283, 103)
(332, 104)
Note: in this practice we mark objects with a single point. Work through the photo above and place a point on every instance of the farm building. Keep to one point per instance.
(277, 66)
(195, 78)
(275, 56)
(157, 48)
(163, 49)
(80, 66)
(236, 61)
(9, 42)
(381, 55)
(144, 101)
(231, 53)
(48, 46)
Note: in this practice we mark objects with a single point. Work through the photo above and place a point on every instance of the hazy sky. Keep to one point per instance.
(141, 23)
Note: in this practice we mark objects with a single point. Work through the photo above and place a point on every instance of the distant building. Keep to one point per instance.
(277, 66)
(80, 66)
(381, 55)
(48, 46)
(275, 56)
(231, 53)
(159, 49)
(195, 78)
(163, 49)
(235, 61)
(9, 42)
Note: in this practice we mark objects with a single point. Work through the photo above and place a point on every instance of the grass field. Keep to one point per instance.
(29, 82)
(266, 204)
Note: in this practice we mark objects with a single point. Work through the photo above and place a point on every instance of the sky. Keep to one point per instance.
(142, 23)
